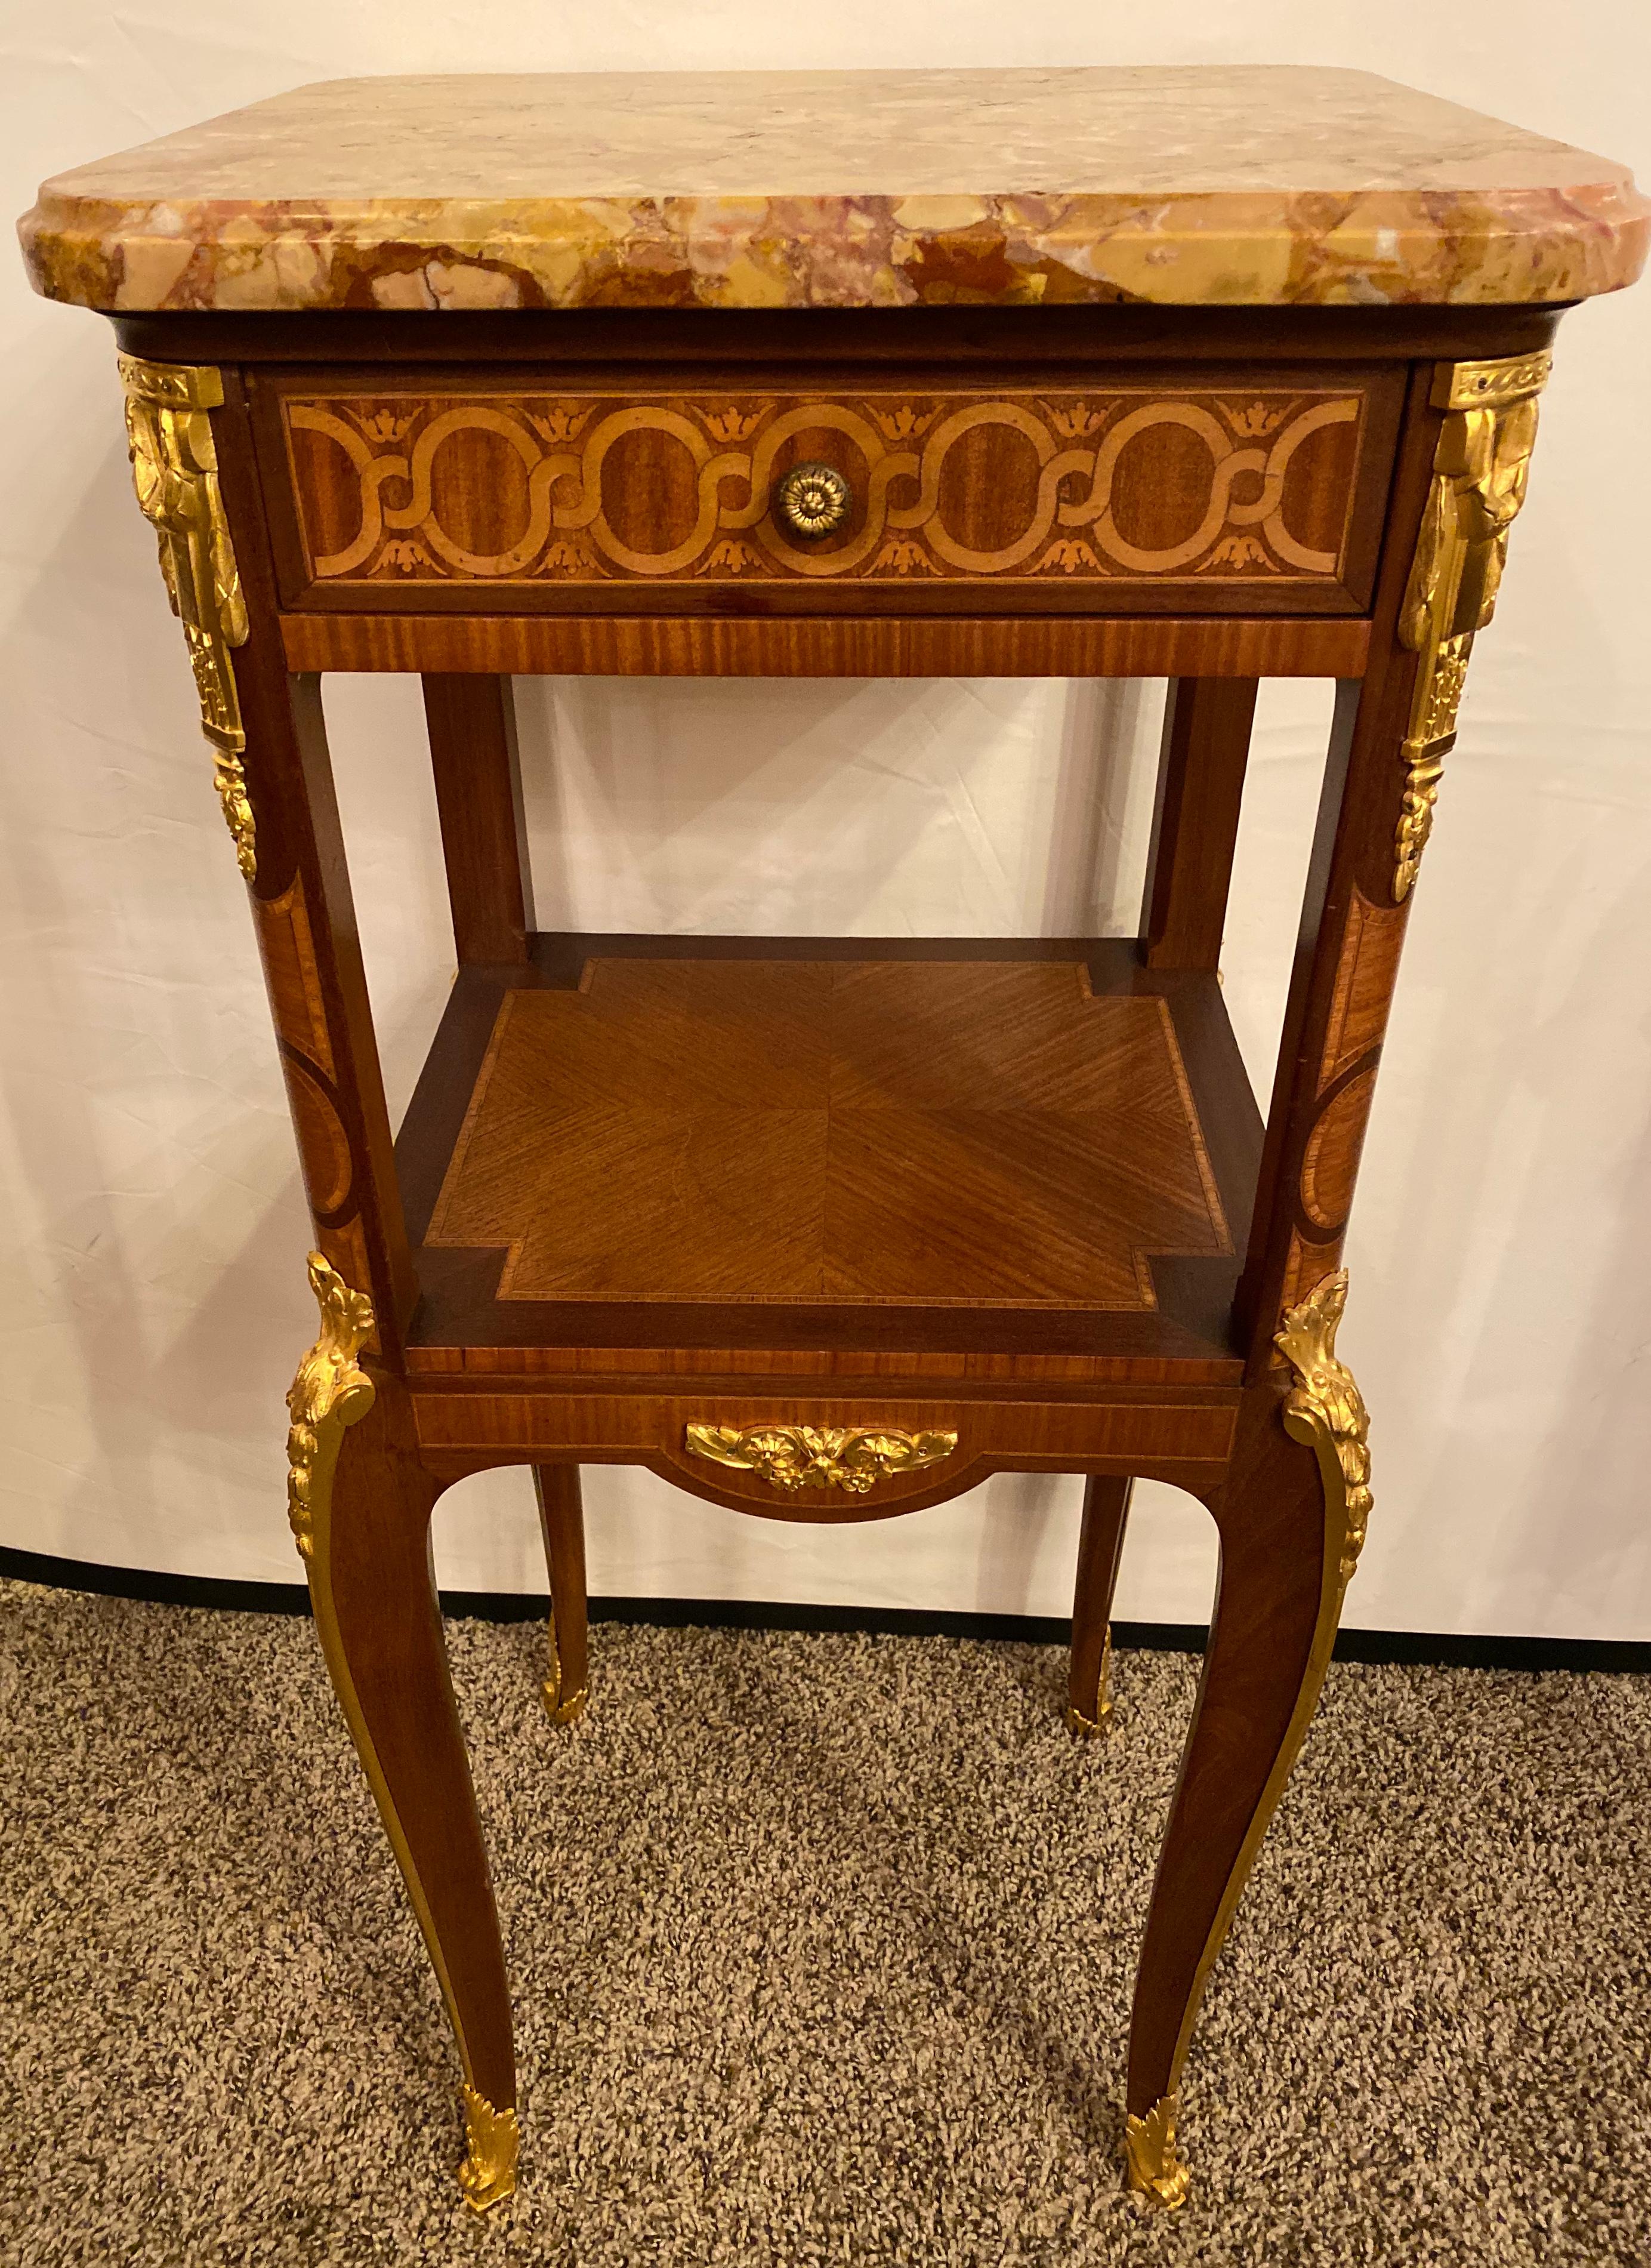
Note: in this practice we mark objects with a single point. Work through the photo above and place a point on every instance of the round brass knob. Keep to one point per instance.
(813, 501)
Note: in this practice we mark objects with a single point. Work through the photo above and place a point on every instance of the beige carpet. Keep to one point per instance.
(822, 1950)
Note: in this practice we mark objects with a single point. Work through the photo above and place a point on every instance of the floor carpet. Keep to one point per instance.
(821, 1949)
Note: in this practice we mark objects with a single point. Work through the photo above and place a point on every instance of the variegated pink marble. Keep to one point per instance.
(1189, 187)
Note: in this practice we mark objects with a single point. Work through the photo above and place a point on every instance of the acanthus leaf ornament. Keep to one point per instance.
(330, 1392)
(175, 471)
(1088, 1728)
(854, 1458)
(1326, 1410)
(492, 2139)
(1481, 464)
(564, 1708)
(1155, 2170)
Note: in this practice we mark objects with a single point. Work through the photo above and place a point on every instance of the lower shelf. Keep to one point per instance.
(800, 1157)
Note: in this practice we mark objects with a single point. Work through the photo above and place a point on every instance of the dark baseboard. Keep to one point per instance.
(1439, 1648)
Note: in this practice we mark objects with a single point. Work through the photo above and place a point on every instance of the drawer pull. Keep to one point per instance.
(813, 501)
(854, 1458)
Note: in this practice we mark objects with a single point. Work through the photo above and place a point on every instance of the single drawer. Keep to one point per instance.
(1256, 494)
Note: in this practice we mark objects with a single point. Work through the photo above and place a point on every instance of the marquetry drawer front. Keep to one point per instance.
(1212, 495)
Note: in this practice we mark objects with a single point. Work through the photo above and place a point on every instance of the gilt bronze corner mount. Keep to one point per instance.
(1481, 464)
(175, 471)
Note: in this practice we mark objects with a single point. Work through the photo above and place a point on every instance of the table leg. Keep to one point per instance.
(1460, 481)
(562, 1517)
(1206, 725)
(274, 780)
(360, 1505)
(472, 721)
(1291, 1514)
(1100, 1548)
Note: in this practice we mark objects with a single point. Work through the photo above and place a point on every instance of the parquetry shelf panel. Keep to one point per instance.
(941, 1134)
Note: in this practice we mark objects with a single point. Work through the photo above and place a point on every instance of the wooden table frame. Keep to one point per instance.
(1241, 1400)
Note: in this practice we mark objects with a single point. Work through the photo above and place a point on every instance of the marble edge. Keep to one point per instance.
(1234, 248)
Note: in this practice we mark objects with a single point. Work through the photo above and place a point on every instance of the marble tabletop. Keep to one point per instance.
(1198, 186)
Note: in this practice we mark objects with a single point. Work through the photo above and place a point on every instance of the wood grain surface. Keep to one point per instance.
(306, 928)
(1348, 949)
(542, 494)
(388, 1661)
(471, 726)
(990, 1188)
(756, 645)
(463, 1329)
(998, 346)
(1100, 1551)
(1183, 1439)
(1201, 764)
(1257, 1666)
(934, 1134)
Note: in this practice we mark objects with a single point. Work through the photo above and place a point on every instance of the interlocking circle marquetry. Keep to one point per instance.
(589, 489)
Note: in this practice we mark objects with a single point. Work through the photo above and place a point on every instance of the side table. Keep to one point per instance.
(820, 375)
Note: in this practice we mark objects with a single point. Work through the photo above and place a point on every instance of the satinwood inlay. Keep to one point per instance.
(1238, 485)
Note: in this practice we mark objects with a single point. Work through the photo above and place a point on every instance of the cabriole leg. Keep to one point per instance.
(562, 1517)
(1292, 1517)
(1100, 1548)
(360, 1505)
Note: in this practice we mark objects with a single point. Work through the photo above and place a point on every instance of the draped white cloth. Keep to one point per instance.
(154, 1298)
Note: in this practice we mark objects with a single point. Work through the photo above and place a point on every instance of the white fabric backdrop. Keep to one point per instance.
(154, 1231)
